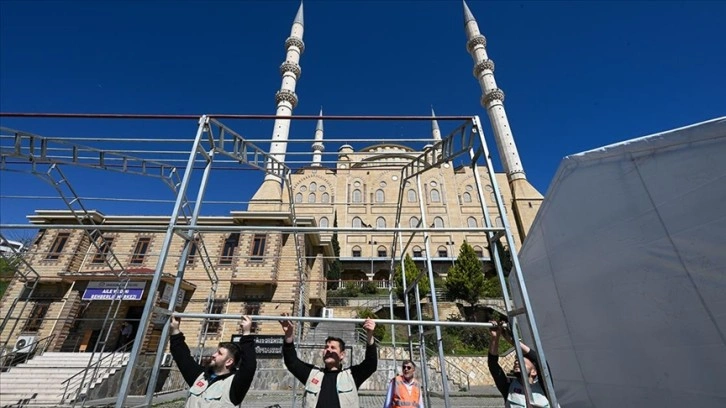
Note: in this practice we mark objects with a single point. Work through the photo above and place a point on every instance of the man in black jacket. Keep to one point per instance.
(512, 389)
(331, 386)
(220, 384)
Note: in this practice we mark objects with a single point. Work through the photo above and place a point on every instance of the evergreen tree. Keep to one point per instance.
(466, 280)
(336, 268)
(412, 272)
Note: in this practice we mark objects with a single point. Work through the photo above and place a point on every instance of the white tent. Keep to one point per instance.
(625, 266)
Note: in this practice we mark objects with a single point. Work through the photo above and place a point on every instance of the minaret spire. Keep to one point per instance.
(435, 131)
(286, 97)
(318, 147)
(492, 98)
(286, 101)
(467, 13)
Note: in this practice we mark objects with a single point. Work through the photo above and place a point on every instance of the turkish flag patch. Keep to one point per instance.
(315, 381)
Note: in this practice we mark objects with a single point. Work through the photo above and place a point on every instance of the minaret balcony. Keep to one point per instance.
(286, 95)
(478, 40)
(288, 66)
(491, 96)
(295, 42)
(482, 66)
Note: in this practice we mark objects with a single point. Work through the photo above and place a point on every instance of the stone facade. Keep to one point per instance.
(265, 282)
(363, 191)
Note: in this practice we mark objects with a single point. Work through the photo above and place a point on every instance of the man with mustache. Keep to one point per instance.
(221, 383)
(331, 386)
(512, 389)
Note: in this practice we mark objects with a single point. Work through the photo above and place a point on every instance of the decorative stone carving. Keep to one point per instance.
(491, 96)
(479, 39)
(288, 66)
(318, 146)
(286, 95)
(296, 42)
(483, 65)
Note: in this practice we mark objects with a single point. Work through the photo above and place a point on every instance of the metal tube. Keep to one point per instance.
(331, 320)
(155, 368)
(154, 285)
(217, 116)
(244, 228)
(434, 304)
(516, 268)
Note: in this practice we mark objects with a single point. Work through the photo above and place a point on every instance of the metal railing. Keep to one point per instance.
(83, 381)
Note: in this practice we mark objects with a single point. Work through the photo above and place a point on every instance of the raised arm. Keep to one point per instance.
(248, 364)
(189, 368)
(299, 369)
(500, 379)
(369, 365)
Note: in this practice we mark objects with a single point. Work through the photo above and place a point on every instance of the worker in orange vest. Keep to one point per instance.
(404, 390)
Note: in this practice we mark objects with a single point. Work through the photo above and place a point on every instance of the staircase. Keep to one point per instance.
(42, 380)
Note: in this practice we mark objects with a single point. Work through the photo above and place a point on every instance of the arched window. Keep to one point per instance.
(380, 197)
(411, 196)
(311, 198)
(499, 222)
(298, 198)
(382, 252)
(435, 196)
(357, 196)
(357, 223)
(478, 251)
(323, 222)
(417, 252)
(413, 222)
(356, 252)
(438, 222)
(380, 222)
(466, 197)
(471, 222)
(443, 253)
(325, 198)
(313, 186)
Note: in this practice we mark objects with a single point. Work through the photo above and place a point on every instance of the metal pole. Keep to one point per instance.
(308, 319)
(154, 286)
(155, 368)
(529, 315)
(434, 304)
(422, 347)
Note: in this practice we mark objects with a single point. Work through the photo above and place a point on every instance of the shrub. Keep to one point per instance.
(380, 331)
(369, 288)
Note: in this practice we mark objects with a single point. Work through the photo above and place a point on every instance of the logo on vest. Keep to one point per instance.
(200, 383)
(315, 381)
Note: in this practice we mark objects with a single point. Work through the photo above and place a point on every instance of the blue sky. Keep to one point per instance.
(577, 75)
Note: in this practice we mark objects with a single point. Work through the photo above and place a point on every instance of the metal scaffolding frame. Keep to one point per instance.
(214, 139)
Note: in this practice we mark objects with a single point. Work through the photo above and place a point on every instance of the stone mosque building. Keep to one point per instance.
(258, 271)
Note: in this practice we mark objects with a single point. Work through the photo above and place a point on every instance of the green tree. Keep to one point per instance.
(7, 270)
(336, 268)
(412, 273)
(466, 279)
(380, 331)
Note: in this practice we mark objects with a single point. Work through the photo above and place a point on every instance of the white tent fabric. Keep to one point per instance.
(625, 266)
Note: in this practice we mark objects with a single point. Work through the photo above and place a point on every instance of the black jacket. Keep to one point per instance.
(190, 369)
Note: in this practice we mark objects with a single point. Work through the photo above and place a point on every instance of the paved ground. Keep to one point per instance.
(261, 399)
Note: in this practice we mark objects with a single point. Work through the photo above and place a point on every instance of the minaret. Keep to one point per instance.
(318, 147)
(526, 200)
(270, 190)
(436, 132)
(492, 98)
